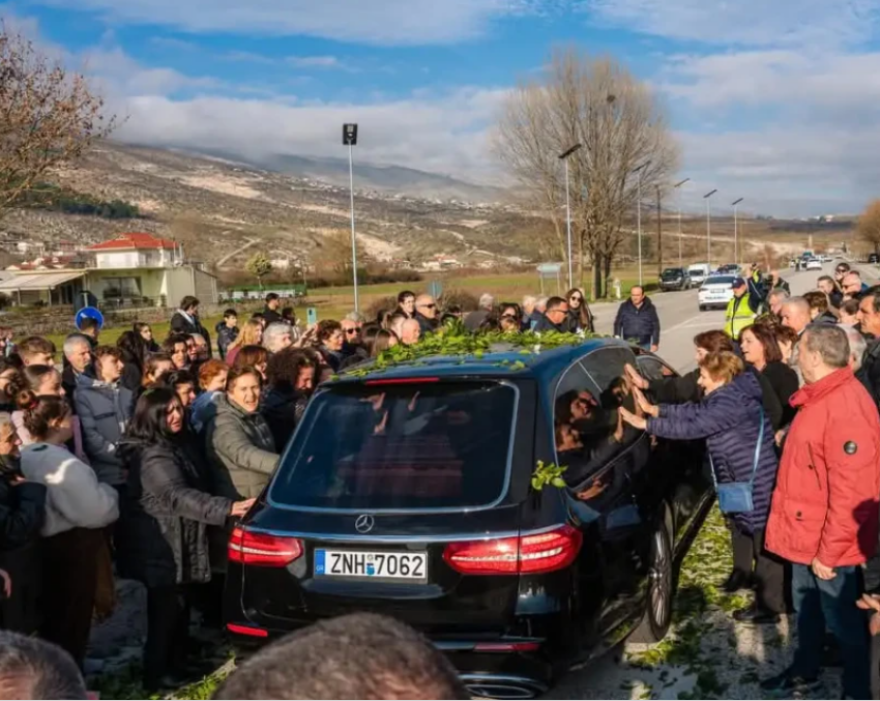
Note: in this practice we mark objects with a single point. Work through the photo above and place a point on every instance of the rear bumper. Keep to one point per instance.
(485, 665)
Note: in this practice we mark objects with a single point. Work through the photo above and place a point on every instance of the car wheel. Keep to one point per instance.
(702, 307)
(658, 608)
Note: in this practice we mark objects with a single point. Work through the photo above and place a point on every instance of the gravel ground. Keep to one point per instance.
(705, 656)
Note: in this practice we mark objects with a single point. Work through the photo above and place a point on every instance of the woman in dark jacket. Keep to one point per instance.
(22, 513)
(761, 351)
(163, 538)
(736, 430)
(580, 317)
(686, 388)
(134, 353)
(291, 376)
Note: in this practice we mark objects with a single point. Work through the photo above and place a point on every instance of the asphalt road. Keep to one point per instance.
(681, 318)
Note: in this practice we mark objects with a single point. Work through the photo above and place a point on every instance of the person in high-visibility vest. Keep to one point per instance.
(743, 308)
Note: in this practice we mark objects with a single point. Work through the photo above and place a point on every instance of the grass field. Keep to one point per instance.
(336, 302)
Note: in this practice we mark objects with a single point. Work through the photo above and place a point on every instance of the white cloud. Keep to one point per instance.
(440, 132)
(117, 74)
(314, 61)
(399, 22)
(744, 22)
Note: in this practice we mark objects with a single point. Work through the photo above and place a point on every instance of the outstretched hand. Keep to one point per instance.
(634, 377)
(639, 422)
(645, 405)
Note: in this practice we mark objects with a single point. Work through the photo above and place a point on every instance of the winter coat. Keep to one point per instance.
(869, 373)
(679, 390)
(241, 450)
(826, 501)
(784, 382)
(729, 419)
(474, 320)
(332, 358)
(132, 373)
(544, 325)
(272, 317)
(22, 512)
(638, 324)
(104, 410)
(426, 325)
(75, 498)
(184, 323)
(283, 410)
(203, 409)
(162, 540)
(225, 337)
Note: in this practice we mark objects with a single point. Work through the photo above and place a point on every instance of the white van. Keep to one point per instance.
(698, 272)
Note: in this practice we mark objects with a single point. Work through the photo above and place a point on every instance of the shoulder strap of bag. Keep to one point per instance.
(757, 456)
(758, 448)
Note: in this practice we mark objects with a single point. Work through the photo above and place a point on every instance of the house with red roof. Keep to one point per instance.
(133, 270)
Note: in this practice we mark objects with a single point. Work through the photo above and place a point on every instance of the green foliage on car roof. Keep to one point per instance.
(455, 341)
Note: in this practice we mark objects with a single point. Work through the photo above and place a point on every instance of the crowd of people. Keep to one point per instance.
(135, 459)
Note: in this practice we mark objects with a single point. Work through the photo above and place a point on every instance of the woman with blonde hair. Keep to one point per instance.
(251, 335)
(739, 440)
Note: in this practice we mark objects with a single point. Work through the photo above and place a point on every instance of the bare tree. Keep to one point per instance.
(621, 125)
(868, 227)
(49, 116)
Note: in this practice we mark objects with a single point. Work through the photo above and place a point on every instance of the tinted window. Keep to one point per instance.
(588, 430)
(410, 446)
(671, 274)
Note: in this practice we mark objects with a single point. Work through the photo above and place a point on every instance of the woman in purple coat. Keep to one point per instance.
(731, 418)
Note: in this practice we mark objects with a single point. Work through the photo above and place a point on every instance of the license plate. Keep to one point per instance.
(349, 563)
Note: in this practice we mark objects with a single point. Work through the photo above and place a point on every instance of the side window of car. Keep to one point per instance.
(588, 428)
(652, 368)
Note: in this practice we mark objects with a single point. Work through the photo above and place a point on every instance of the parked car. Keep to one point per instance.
(699, 272)
(874, 258)
(409, 493)
(814, 264)
(717, 291)
(729, 269)
(675, 279)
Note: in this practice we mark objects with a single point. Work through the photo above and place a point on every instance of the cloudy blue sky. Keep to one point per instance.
(774, 101)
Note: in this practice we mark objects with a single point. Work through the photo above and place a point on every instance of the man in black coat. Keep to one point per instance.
(186, 320)
(271, 313)
(555, 317)
(869, 321)
(637, 320)
(22, 512)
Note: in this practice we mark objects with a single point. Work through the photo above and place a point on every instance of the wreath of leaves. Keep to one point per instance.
(454, 340)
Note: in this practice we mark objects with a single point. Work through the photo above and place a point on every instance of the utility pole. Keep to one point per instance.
(659, 236)
(349, 138)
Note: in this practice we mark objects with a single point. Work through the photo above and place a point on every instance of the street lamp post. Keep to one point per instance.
(564, 158)
(736, 230)
(640, 171)
(349, 138)
(675, 187)
(706, 197)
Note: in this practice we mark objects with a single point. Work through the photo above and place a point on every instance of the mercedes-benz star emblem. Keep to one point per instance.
(364, 523)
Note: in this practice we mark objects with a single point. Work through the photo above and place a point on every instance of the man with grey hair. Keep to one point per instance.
(77, 351)
(31, 668)
(355, 317)
(474, 320)
(277, 337)
(775, 300)
(824, 516)
(857, 347)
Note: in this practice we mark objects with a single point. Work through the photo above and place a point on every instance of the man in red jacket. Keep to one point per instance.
(824, 516)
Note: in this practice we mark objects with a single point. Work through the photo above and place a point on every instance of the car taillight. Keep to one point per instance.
(261, 549)
(526, 554)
